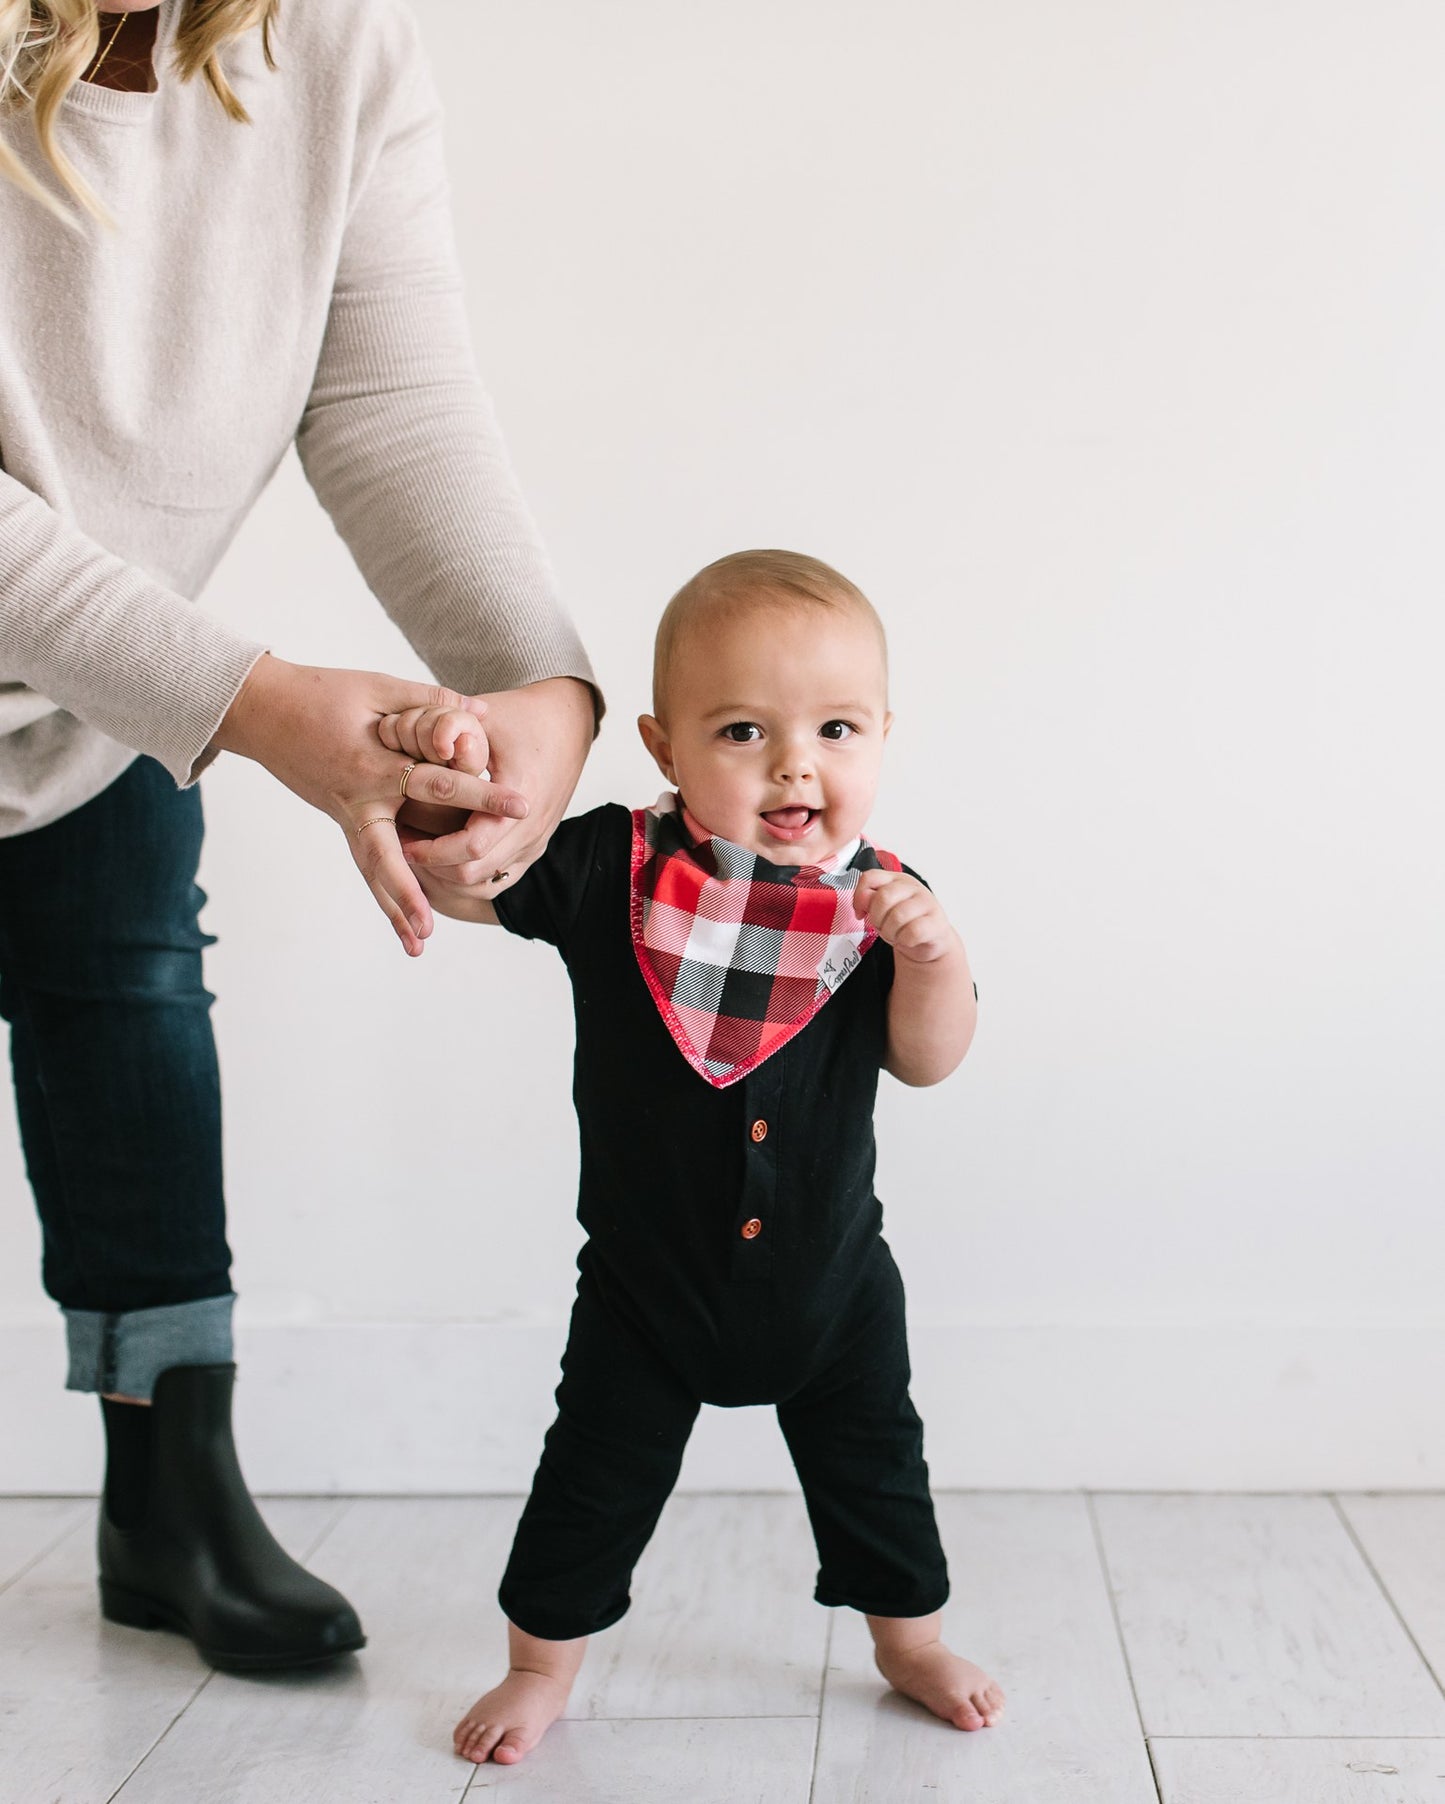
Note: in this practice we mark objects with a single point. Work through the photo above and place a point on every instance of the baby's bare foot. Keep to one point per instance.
(508, 1722)
(955, 1689)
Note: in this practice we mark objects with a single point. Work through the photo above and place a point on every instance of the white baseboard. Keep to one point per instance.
(461, 1407)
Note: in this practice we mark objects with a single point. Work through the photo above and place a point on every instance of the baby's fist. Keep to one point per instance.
(440, 735)
(905, 914)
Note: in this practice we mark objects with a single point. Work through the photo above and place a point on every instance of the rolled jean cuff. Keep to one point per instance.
(125, 1354)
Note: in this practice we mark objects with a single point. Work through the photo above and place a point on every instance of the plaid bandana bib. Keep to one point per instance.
(740, 953)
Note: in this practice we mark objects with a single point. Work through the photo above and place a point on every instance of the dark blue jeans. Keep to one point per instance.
(116, 1080)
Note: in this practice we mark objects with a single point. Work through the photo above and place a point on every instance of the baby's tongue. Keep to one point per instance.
(788, 817)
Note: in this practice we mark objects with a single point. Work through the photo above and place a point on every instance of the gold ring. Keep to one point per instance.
(497, 876)
(376, 821)
(405, 779)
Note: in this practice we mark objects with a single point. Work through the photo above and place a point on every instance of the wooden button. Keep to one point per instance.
(760, 1130)
(751, 1229)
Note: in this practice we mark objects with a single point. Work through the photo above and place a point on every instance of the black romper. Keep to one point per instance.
(734, 1256)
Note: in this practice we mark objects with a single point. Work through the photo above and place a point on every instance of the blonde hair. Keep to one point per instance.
(746, 582)
(47, 45)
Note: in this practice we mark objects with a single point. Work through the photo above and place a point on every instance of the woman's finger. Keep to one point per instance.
(477, 842)
(474, 873)
(456, 789)
(379, 857)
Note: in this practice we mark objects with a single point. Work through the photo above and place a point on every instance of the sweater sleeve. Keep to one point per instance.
(106, 642)
(398, 438)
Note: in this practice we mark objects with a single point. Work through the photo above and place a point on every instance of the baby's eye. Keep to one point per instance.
(742, 732)
(837, 729)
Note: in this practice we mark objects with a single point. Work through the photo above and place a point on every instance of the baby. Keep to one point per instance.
(743, 963)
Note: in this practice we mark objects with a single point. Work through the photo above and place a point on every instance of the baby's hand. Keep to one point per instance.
(452, 736)
(905, 913)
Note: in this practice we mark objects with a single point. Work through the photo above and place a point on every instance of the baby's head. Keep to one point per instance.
(770, 704)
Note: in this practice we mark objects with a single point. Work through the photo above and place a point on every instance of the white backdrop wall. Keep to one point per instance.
(1101, 344)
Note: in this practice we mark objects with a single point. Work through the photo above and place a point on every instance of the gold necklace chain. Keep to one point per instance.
(94, 68)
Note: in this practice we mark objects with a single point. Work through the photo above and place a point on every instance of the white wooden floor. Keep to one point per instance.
(1194, 1649)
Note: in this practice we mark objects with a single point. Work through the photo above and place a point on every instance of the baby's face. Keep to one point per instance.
(775, 728)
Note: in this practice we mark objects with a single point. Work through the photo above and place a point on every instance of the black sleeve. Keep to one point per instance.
(547, 900)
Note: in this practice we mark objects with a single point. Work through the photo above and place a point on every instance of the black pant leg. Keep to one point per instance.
(112, 1050)
(857, 1444)
(608, 1465)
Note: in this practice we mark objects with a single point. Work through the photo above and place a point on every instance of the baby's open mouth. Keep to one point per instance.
(789, 823)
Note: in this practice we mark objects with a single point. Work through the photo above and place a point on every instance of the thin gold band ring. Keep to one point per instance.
(405, 779)
(376, 821)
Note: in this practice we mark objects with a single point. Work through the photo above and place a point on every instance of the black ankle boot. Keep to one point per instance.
(182, 1544)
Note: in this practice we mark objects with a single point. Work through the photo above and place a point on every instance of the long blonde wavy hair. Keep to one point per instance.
(47, 45)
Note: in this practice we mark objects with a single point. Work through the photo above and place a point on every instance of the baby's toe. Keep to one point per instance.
(966, 1716)
(479, 1741)
(511, 1748)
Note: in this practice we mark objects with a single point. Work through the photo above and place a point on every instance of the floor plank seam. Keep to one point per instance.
(1374, 1573)
(1107, 1577)
(44, 1554)
(699, 1716)
(1385, 1738)
(337, 1516)
(822, 1700)
(164, 1734)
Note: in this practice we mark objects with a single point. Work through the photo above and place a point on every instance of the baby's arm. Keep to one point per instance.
(932, 1007)
(454, 737)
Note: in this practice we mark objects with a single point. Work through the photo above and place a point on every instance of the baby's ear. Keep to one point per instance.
(654, 737)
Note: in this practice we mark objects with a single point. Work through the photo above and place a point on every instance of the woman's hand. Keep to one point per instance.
(316, 731)
(535, 742)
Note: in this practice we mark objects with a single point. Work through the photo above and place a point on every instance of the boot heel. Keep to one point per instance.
(125, 1607)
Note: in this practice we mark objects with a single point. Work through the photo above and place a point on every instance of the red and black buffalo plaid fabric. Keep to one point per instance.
(740, 953)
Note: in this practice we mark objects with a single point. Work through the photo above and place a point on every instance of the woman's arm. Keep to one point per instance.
(402, 447)
(108, 643)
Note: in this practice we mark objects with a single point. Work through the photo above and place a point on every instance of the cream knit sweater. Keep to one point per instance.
(290, 279)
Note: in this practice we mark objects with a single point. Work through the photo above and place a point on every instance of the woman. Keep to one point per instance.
(223, 231)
